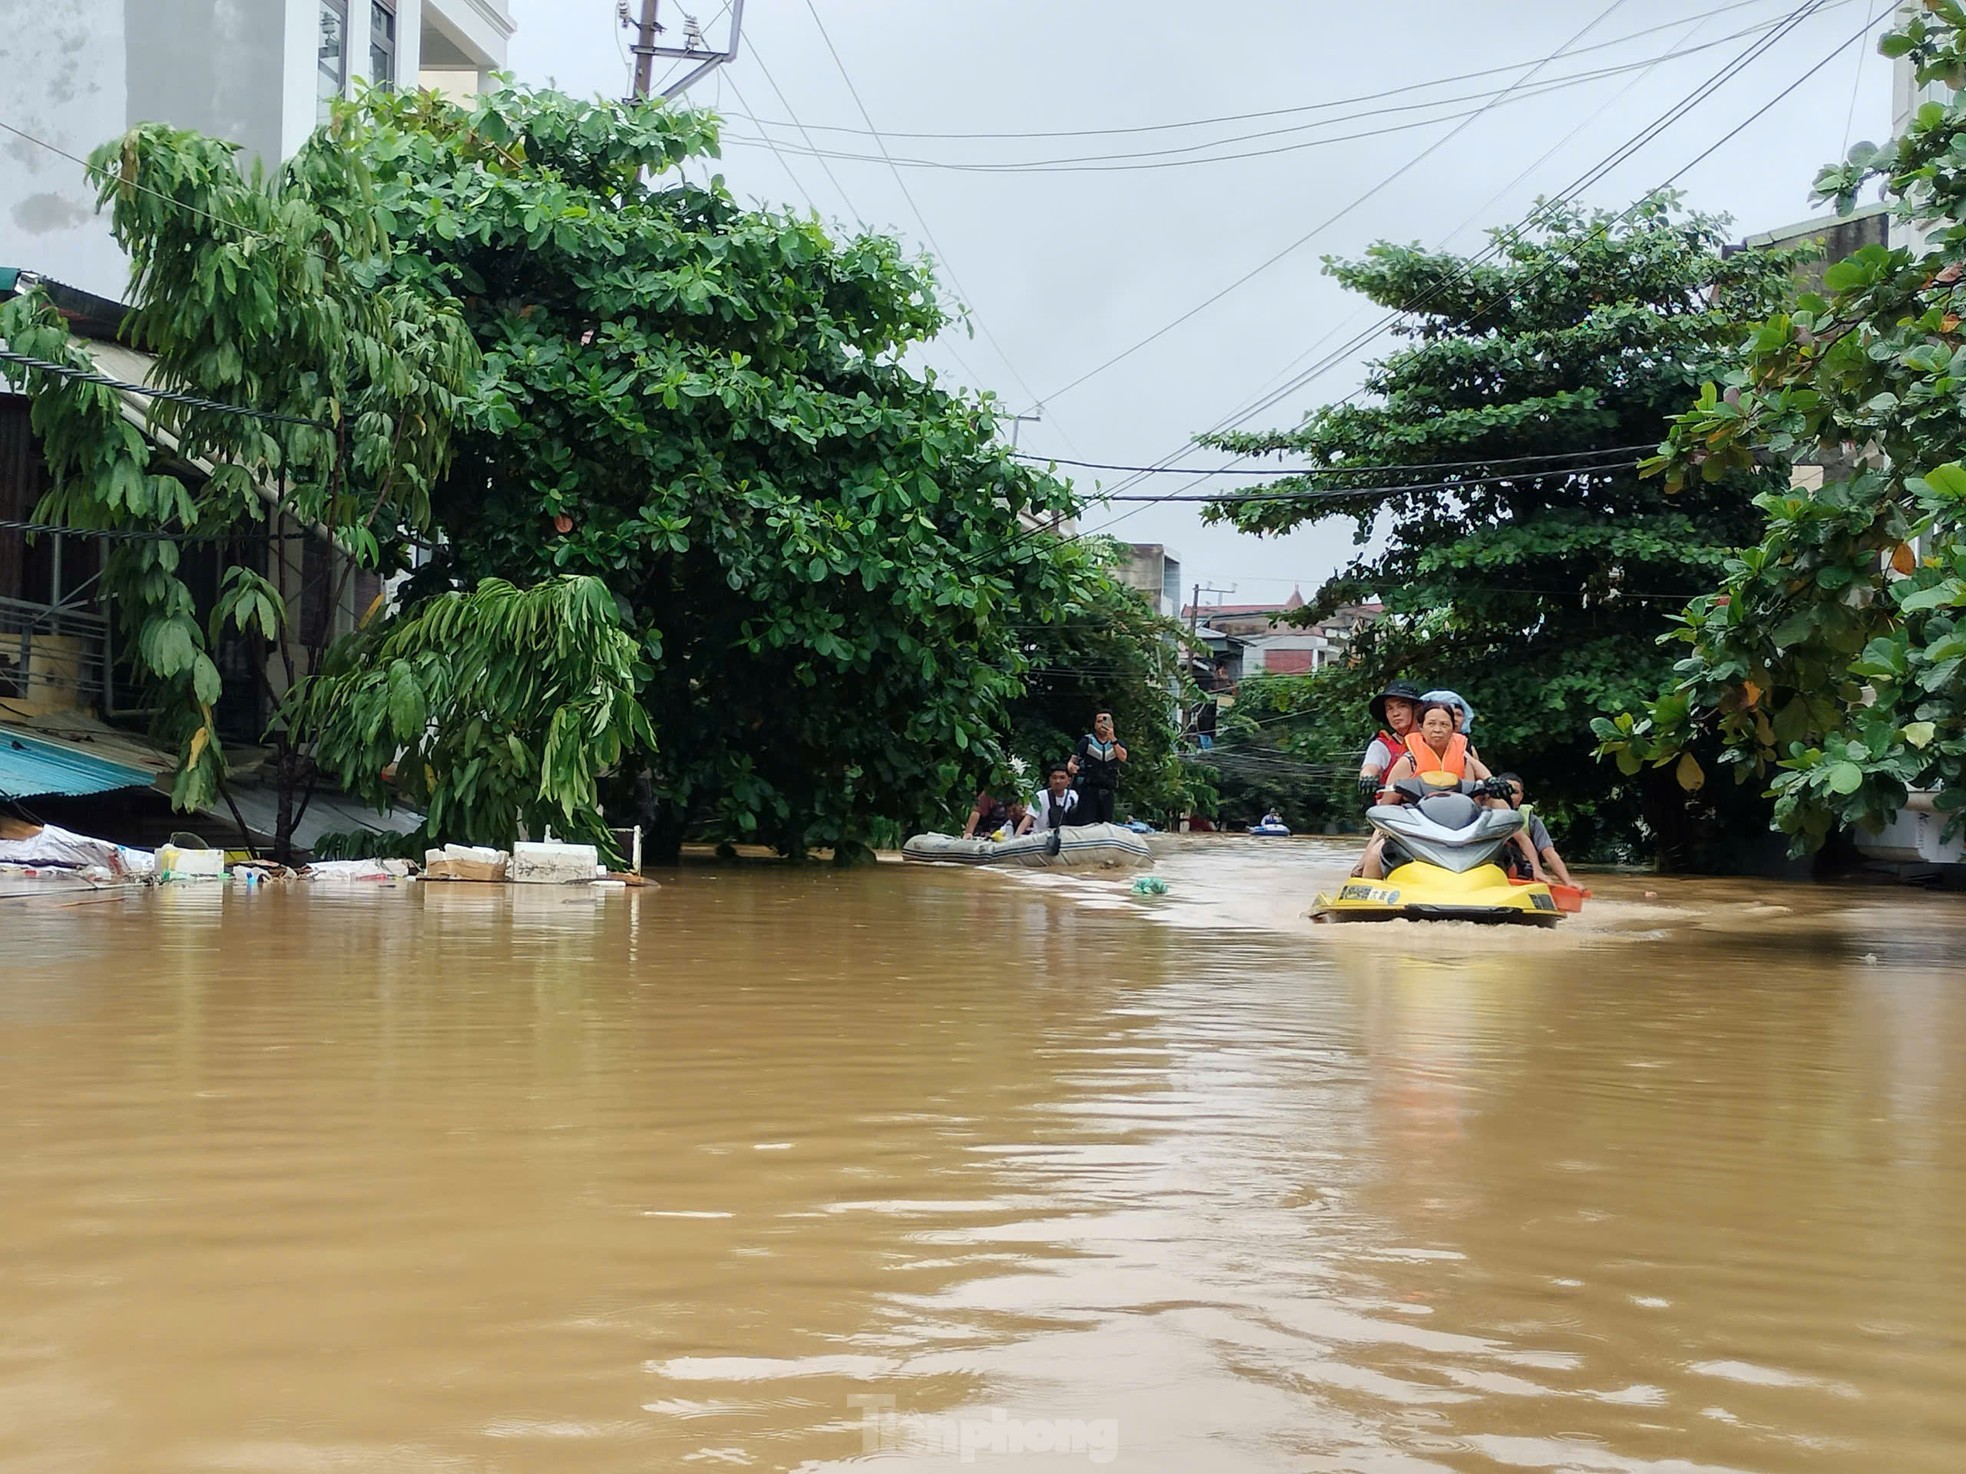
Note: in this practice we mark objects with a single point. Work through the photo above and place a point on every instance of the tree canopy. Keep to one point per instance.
(1489, 466)
(1827, 665)
(308, 389)
(829, 560)
(265, 292)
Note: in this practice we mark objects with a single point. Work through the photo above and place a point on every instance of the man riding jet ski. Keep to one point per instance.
(1442, 852)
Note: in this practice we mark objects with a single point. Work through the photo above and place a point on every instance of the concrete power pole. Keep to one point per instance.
(646, 33)
(693, 49)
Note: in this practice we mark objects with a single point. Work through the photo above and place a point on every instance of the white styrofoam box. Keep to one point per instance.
(548, 862)
(176, 864)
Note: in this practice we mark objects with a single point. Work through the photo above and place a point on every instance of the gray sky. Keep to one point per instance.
(1068, 269)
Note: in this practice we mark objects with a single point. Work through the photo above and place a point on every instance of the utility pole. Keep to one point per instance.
(694, 49)
(1194, 613)
(647, 31)
(1016, 420)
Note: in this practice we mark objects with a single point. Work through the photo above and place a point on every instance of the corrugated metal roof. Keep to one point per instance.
(31, 768)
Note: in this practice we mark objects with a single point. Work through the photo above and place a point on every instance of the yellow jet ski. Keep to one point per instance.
(1442, 861)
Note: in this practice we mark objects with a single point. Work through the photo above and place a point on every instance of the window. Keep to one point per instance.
(382, 43)
(332, 59)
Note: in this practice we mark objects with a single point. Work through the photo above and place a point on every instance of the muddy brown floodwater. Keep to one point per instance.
(913, 1168)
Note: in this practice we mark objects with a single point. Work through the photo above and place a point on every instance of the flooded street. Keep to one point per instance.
(907, 1168)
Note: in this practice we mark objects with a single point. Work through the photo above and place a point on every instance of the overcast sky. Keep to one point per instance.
(1068, 269)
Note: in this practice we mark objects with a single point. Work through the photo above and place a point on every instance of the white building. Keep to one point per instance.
(255, 72)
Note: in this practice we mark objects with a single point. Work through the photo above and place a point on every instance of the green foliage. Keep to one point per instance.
(1293, 743)
(266, 292)
(1540, 596)
(1107, 650)
(489, 711)
(1826, 667)
(823, 555)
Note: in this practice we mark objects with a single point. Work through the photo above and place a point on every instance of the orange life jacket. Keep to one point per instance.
(1426, 760)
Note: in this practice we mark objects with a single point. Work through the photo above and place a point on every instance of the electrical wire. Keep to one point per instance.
(798, 184)
(928, 235)
(1796, 17)
(1184, 156)
(1699, 94)
(1266, 113)
(193, 401)
(758, 56)
(1325, 224)
(1374, 469)
(173, 200)
(155, 534)
(1269, 397)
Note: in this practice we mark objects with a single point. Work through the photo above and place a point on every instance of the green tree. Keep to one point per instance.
(1536, 588)
(266, 292)
(489, 711)
(827, 558)
(1292, 743)
(1829, 666)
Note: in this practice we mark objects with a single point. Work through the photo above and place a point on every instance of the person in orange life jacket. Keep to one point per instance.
(1055, 805)
(1095, 770)
(1435, 748)
(990, 813)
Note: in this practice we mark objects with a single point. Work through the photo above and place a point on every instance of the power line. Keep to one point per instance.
(772, 82)
(1253, 116)
(1335, 470)
(1699, 94)
(783, 162)
(193, 401)
(1291, 385)
(1801, 13)
(927, 234)
(1495, 248)
(1339, 494)
(1191, 155)
(1325, 224)
(155, 534)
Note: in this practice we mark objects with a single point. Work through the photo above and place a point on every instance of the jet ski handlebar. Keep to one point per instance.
(1415, 789)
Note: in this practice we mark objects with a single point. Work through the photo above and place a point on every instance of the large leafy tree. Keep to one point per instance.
(825, 556)
(320, 392)
(1517, 563)
(1829, 665)
(266, 293)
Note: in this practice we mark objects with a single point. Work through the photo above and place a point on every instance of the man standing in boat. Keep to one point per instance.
(1095, 770)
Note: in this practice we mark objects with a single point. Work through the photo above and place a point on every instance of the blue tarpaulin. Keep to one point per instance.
(31, 768)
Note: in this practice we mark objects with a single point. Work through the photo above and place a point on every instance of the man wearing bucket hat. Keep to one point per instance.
(1395, 709)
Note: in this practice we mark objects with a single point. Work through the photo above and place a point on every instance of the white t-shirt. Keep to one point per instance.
(1040, 807)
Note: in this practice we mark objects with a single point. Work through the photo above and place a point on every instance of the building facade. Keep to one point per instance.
(255, 72)
(1155, 572)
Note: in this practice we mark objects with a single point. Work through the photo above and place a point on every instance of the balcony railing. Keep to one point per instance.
(52, 651)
